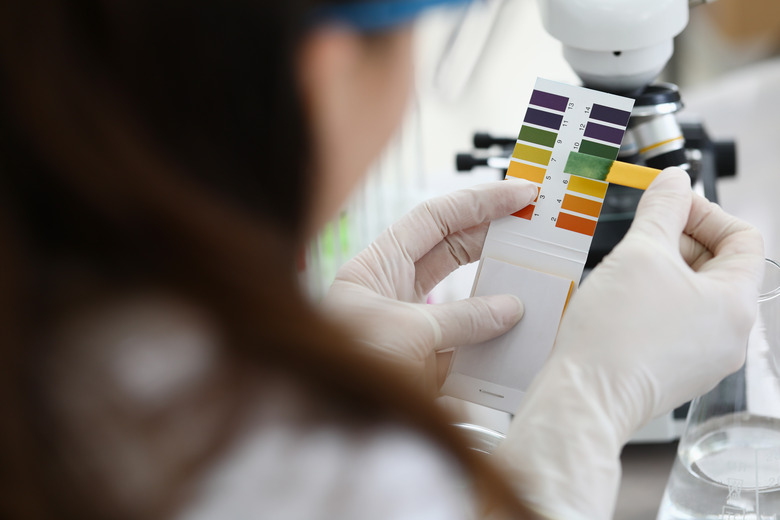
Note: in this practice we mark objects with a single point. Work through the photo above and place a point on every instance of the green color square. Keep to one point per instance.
(599, 150)
(537, 136)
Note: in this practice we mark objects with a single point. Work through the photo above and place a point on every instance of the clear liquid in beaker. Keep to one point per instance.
(732, 472)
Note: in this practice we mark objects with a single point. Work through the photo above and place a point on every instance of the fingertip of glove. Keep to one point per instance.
(531, 192)
(510, 307)
(671, 178)
(526, 190)
(520, 307)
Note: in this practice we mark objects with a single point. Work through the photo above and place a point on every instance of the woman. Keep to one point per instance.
(163, 164)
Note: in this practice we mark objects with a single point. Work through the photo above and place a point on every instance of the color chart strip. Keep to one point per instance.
(536, 141)
(602, 136)
(553, 234)
(603, 132)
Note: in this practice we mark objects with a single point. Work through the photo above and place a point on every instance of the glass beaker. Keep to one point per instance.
(481, 439)
(728, 459)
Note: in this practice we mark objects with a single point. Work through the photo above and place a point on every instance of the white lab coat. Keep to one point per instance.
(121, 368)
(282, 472)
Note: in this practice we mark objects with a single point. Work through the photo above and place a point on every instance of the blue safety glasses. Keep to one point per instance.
(376, 15)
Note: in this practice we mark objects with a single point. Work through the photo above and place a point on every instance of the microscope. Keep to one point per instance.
(621, 47)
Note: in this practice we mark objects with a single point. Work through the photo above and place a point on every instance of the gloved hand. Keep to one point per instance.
(663, 318)
(381, 293)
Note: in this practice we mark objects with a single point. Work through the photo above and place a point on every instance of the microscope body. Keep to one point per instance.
(617, 46)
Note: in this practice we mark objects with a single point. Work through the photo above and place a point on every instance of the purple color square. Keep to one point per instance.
(547, 100)
(610, 115)
(604, 133)
(542, 118)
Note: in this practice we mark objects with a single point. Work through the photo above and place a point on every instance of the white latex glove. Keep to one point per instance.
(663, 318)
(381, 293)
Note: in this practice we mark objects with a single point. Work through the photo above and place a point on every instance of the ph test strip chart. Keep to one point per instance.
(555, 231)
(539, 253)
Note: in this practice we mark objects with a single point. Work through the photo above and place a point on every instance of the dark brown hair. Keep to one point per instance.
(163, 143)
